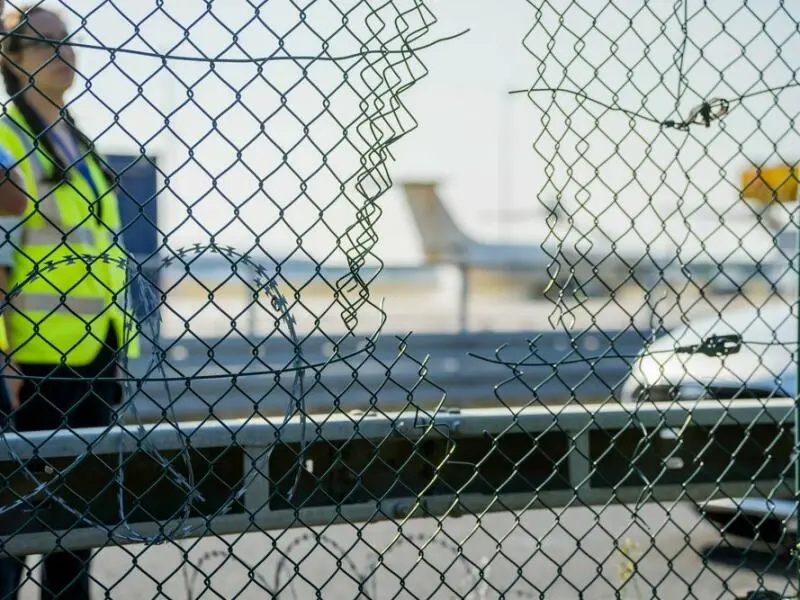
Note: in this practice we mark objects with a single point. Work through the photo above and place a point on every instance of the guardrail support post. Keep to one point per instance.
(463, 301)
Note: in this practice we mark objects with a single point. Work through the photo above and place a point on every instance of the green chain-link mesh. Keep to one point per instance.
(672, 283)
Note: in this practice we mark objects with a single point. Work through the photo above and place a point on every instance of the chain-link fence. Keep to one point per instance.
(190, 412)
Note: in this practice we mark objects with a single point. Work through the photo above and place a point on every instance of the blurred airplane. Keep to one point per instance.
(443, 241)
(597, 270)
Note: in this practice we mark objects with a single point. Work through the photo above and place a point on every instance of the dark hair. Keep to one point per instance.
(16, 23)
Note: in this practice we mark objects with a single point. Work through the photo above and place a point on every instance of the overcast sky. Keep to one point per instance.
(489, 149)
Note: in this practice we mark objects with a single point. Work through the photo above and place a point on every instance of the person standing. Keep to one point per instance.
(67, 326)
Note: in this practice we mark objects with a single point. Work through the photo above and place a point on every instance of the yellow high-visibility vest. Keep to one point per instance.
(3, 338)
(66, 311)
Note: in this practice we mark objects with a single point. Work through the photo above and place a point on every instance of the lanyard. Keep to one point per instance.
(81, 164)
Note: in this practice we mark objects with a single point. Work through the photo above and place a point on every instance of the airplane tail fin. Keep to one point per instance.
(442, 239)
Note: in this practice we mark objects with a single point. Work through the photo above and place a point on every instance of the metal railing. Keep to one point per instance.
(245, 475)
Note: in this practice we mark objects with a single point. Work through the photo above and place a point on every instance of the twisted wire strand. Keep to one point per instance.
(713, 109)
(379, 128)
(596, 358)
(114, 50)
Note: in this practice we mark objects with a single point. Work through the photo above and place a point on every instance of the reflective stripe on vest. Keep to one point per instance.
(51, 235)
(52, 303)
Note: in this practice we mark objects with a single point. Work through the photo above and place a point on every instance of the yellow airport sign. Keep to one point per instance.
(770, 184)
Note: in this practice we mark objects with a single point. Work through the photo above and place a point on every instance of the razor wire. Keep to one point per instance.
(156, 364)
(263, 282)
(471, 587)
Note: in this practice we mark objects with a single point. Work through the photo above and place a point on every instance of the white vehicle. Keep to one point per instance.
(762, 365)
(671, 369)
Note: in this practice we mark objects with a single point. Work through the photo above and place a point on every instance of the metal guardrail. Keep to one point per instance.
(403, 465)
(239, 374)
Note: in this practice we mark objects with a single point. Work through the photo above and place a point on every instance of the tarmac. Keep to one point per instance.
(558, 553)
